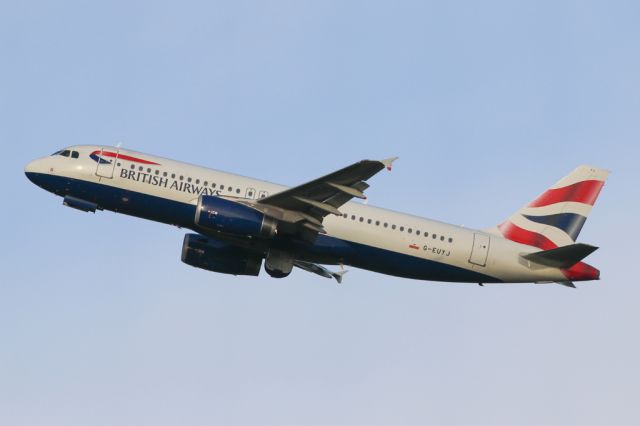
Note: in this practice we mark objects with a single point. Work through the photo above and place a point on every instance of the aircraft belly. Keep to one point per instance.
(326, 249)
(391, 262)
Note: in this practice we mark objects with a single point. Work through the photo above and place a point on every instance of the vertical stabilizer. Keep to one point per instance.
(555, 218)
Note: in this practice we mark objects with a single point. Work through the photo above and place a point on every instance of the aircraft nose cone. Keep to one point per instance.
(29, 170)
(34, 169)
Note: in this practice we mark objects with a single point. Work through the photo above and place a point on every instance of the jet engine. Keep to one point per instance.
(217, 256)
(227, 216)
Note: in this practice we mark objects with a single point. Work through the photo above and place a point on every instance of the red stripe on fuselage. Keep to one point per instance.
(123, 157)
(581, 192)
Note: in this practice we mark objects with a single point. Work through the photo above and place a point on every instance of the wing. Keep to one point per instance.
(320, 270)
(309, 203)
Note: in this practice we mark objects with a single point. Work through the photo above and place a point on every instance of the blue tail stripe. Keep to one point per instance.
(571, 223)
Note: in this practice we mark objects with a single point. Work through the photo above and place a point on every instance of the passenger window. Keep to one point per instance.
(442, 238)
(75, 154)
(402, 229)
(237, 190)
(213, 184)
(157, 172)
(133, 167)
(434, 236)
(197, 181)
(164, 174)
(450, 240)
(206, 183)
(230, 189)
(189, 180)
(417, 232)
(369, 221)
(386, 224)
(377, 223)
(410, 230)
(149, 170)
(426, 234)
(393, 227)
(353, 217)
(173, 175)
(141, 168)
(181, 177)
(221, 187)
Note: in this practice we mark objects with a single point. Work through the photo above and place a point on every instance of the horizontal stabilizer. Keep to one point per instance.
(562, 257)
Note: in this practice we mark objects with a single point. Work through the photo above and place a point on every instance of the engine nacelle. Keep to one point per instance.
(228, 216)
(217, 256)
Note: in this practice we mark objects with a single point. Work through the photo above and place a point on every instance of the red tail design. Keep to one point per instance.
(582, 192)
(522, 236)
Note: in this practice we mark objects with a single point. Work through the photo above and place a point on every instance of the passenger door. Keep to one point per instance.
(106, 163)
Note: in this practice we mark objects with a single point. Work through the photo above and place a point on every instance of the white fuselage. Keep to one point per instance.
(472, 250)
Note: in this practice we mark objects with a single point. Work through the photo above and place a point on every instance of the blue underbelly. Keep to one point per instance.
(325, 249)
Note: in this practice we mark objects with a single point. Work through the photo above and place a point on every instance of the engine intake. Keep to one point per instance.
(228, 216)
(217, 256)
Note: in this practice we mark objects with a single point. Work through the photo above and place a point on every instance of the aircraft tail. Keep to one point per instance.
(562, 257)
(555, 218)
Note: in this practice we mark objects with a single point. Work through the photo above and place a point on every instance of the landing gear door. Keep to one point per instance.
(480, 249)
(106, 162)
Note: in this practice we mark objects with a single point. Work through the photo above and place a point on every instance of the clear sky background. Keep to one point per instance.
(486, 104)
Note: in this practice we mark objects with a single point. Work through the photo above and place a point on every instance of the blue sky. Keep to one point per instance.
(486, 104)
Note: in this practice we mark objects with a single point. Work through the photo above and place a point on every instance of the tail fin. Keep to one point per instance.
(556, 217)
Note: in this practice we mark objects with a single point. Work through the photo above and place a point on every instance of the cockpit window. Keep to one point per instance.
(67, 153)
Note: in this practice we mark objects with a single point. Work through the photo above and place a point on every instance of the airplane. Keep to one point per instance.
(241, 223)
